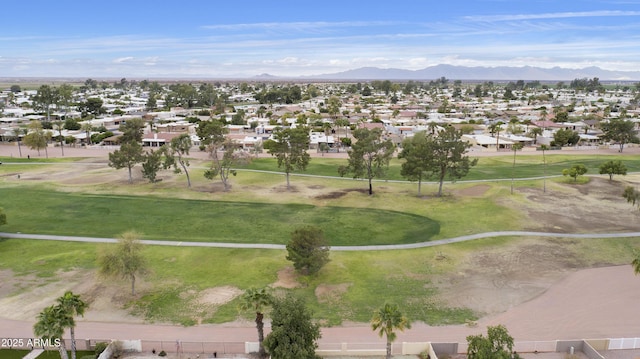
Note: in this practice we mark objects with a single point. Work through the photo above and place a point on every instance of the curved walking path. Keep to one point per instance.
(381, 247)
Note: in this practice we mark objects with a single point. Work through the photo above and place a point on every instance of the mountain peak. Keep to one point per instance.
(499, 73)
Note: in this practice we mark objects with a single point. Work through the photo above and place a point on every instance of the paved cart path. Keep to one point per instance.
(333, 248)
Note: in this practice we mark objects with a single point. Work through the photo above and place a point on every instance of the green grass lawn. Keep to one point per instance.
(48, 354)
(49, 212)
(488, 168)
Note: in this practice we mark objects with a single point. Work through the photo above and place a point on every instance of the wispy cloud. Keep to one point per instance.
(557, 15)
(300, 26)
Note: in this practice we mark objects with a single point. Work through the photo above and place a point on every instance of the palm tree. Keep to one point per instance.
(20, 132)
(387, 319)
(50, 326)
(72, 305)
(257, 300)
(87, 127)
(544, 162)
(515, 147)
(495, 129)
(535, 132)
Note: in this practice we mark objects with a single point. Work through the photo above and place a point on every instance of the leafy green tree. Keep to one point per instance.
(125, 260)
(72, 124)
(132, 130)
(212, 135)
(308, 250)
(184, 95)
(73, 306)
(257, 300)
(65, 96)
(290, 149)
(238, 118)
(448, 157)
(369, 157)
(46, 97)
(565, 137)
(152, 103)
(293, 333)
(498, 344)
(223, 167)
(129, 154)
(50, 325)
(151, 164)
(575, 171)
(386, 320)
(620, 131)
(416, 151)
(176, 153)
(632, 196)
(613, 168)
(37, 138)
(93, 106)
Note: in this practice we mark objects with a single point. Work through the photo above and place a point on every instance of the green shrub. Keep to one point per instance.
(100, 347)
(162, 354)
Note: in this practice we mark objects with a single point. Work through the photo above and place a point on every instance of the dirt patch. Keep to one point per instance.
(28, 295)
(596, 206)
(219, 295)
(344, 192)
(287, 278)
(494, 280)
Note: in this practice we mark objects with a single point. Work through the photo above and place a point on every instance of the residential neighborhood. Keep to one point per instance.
(491, 116)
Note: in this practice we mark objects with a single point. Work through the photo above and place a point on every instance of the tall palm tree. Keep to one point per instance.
(50, 326)
(515, 147)
(495, 129)
(19, 133)
(544, 162)
(387, 319)
(87, 127)
(257, 300)
(72, 305)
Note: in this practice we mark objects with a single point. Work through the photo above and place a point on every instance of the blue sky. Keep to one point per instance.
(194, 39)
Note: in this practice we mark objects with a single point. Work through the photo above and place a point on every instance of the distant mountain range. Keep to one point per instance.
(501, 73)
